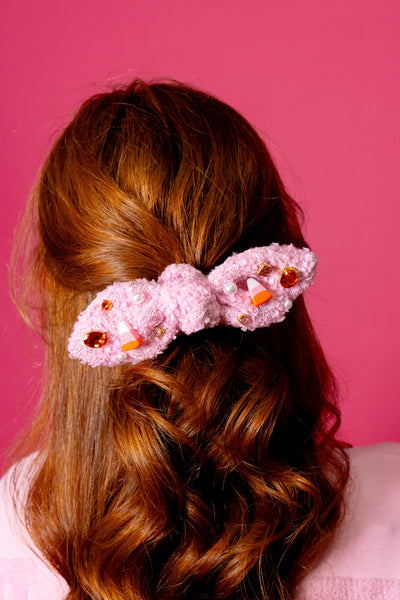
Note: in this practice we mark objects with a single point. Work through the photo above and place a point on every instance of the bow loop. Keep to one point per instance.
(262, 266)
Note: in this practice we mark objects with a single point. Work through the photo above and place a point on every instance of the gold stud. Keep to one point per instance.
(289, 277)
(264, 269)
(158, 331)
(243, 318)
(106, 304)
(95, 339)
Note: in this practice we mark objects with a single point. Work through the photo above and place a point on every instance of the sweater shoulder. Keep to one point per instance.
(365, 553)
(24, 573)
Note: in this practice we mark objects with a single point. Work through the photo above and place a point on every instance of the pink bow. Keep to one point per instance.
(136, 320)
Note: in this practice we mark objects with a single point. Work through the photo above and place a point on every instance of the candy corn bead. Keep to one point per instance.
(258, 293)
(129, 337)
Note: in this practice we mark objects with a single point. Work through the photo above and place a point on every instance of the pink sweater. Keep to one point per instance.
(363, 562)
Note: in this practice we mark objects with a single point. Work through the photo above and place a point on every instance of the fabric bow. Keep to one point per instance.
(136, 320)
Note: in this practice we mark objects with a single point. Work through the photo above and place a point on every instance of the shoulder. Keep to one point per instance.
(375, 479)
(365, 554)
(373, 507)
(23, 572)
(389, 452)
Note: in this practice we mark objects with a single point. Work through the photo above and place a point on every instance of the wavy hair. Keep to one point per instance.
(212, 470)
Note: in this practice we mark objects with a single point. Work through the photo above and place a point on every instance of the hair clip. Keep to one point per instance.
(136, 320)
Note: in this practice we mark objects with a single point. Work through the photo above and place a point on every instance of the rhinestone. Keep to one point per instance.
(158, 331)
(264, 269)
(138, 297)
(289, 277)
(230, 288)
(243, 318)
(106, 304)
(95, 339)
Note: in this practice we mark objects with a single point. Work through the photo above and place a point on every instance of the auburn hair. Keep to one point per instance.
(212, 470)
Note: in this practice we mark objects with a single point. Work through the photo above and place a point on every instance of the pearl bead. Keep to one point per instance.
(230, 288)
(288, 304)
(138, 297)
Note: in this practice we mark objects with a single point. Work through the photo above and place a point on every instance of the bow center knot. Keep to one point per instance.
(190, 296)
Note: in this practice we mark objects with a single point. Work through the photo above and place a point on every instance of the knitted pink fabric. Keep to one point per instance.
(185, 300)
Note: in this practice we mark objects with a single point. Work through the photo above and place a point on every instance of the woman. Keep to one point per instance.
(185, 446)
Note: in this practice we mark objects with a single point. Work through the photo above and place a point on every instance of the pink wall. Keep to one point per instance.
(318, 78)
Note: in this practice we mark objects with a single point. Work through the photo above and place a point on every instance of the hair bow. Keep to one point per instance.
(136, 320)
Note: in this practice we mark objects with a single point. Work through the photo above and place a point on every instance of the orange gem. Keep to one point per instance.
(290, 277)
(106, 304)
(264, 269)
(95, 339)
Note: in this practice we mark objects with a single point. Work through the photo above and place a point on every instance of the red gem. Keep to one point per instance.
(95, 339)
(289, 278)
(106, 304)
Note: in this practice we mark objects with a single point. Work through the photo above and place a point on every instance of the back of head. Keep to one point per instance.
(194, 472)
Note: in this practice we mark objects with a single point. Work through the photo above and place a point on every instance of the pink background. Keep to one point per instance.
(320, 81)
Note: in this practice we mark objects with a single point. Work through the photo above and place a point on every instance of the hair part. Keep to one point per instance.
(211, 471)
